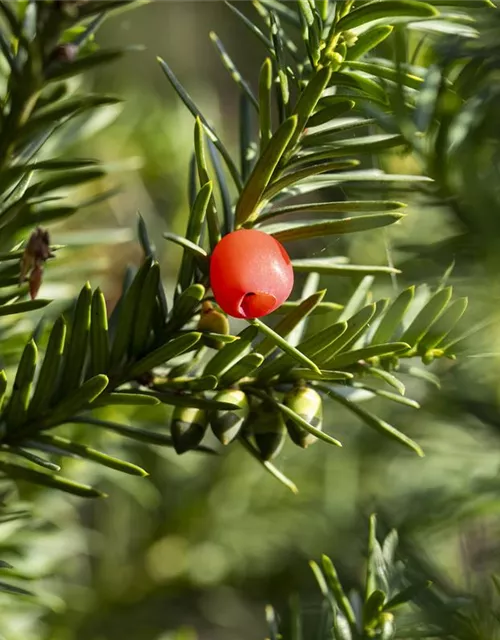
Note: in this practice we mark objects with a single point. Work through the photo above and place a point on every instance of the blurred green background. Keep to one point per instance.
(197, 549)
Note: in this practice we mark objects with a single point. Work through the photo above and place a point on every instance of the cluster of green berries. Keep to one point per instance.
(259, 420)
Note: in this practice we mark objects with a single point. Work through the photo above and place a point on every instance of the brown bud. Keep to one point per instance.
(38, 245)
(36, 252)
(64, 53)
(26, 265)
(35, 281)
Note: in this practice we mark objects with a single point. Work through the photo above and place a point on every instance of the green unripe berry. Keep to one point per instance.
(268, 428)
(187, 428)
(227, 424)
(213, 321)
(307, 403)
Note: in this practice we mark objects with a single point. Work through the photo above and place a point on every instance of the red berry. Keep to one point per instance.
(250, 274)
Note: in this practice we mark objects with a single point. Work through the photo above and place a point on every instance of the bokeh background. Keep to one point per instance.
(197, 549)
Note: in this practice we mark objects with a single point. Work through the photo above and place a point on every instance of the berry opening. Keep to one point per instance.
(257, 304)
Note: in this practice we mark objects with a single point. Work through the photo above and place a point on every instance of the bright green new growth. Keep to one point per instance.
(372, 611)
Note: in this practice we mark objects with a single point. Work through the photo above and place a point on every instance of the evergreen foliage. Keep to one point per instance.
(327, 101)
